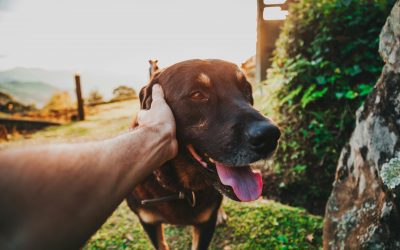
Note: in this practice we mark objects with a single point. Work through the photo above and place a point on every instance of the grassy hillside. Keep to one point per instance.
(256, 225)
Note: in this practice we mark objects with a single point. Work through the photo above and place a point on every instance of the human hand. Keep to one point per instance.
(160, 119)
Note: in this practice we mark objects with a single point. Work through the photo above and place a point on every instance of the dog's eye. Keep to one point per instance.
(198, 96)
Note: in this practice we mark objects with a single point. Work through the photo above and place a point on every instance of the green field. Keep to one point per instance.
(256, 225)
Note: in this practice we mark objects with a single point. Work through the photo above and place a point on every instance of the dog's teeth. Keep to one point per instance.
(211, 160)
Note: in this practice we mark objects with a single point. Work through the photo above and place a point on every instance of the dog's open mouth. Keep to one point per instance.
(245, 182)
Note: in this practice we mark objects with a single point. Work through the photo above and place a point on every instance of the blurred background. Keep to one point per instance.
(110, 43)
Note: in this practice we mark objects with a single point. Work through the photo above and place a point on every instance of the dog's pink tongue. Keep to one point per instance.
(246, 184)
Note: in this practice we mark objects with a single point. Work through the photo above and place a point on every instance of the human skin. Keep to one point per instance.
(57, 196)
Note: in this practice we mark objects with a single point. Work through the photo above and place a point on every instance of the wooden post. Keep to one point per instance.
(260, 61)
(267, 33)
(81, 111)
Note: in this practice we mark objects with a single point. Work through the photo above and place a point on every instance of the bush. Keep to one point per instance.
(59, 101)
(95, 97)
(325, 63)
(123, 93)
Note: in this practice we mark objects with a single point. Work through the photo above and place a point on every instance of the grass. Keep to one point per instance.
(102, 121)
(256, 225)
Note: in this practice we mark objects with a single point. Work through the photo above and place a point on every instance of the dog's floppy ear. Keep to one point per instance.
(145, 97)
(145, 92)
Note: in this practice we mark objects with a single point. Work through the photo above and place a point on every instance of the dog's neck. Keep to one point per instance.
(180, 174)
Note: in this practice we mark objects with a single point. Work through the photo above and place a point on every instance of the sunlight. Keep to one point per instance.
(121, 37)
(274, 13)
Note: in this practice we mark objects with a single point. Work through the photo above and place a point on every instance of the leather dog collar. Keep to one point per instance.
(191, 198)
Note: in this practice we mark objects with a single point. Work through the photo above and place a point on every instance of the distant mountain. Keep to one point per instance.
(28, 92)
(62, 80)
(59, 79)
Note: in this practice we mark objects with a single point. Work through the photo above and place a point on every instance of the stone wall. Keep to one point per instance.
(363, 209)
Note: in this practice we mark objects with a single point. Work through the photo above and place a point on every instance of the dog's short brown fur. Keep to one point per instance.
(212, 105)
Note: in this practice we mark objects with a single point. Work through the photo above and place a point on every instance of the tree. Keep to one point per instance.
(59, 101)
(95, 97)
(123, 93)
(363, 209)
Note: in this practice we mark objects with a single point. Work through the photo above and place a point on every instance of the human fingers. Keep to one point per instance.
(157, 94)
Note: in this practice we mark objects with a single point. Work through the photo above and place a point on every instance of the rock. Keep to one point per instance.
(363, 209)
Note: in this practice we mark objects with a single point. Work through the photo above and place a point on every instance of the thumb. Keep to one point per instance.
(157, 93)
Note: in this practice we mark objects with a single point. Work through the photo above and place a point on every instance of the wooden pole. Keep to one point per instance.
(81, 111)
(260, 67)
(267, 33)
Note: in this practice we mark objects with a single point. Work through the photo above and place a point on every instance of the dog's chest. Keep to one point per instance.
(152, 216)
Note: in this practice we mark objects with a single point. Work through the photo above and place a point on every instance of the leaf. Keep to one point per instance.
(291, 95)
(282, 238)
(321, 80)
(364, 89)
(300, 168)
(350, 94)
(339, 95)
(320, 93)
(307, 96)
(352, 71)
(310, 96)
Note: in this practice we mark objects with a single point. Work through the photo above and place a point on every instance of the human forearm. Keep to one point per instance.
(55, 197)
(74, 184)
(148, 148)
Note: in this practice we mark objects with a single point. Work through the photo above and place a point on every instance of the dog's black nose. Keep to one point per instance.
(263, 135)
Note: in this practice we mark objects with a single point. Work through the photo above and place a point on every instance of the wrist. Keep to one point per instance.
(162, 137)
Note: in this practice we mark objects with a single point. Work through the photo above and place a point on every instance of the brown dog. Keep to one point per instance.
(219, 135)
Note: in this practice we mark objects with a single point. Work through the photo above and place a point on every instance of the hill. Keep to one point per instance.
(104, 82)
(28, 92)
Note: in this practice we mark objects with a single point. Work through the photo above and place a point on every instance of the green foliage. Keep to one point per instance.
(325, 63)
(255, 225)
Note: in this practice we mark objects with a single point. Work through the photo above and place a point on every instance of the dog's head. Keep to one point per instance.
(217, 127)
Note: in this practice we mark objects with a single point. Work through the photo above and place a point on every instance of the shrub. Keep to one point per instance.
(123, 93)
(59, 101)
(326, 61)
(95, 97)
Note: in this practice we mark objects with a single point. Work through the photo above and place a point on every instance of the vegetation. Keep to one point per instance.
(255, 225)
(59, 101)
(95, 97)
(123, 93)
(321, 74)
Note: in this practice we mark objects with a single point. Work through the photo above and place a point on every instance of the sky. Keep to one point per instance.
(120, 36)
